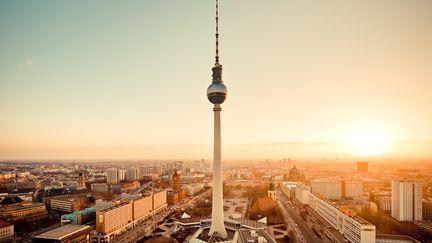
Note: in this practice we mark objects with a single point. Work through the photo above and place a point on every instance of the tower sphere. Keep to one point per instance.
(216, 93)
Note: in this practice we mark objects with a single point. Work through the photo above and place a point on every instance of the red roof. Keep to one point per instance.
(4, 224)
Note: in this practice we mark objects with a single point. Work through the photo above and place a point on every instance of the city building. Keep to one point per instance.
(193, 189)
(65, 234)
(121, 217)
(352, 189)
(406, 200)
(81, 181)
(122, 187)
(6, 231)
(330, 189)
(121, 175)
(99, 187)
(351, 226)
(302, 194)
(427, 209)
(132, 174)
(294, 175)
(159, 200)
(384, 203)
(143, 170)
(142, 207)
(112, 221)
(24, 211)
(69, 203)
(362, 166)
(111, 176)
(79, 217)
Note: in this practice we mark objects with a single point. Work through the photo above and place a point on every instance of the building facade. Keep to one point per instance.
(6, 231)
(352, 227)
(111, 175)
(406, 200)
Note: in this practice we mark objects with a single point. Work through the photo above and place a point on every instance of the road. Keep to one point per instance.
(288, 208)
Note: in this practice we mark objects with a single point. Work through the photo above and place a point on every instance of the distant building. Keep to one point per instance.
(81, 181)
(271, 192)
(111, 175)
(6, 231)
(99, 187)
(143, 170)
(330, 189)
(363, 166)
(65, 234)
(69, 203)
(302, 194)
(124, 186)
(132, 174)
(406, 200)
(384, 203)
(427, 209)
(294, 175)
(121, 175)
(383, 238)
(177, 193)
(352, 189)
(337, 189)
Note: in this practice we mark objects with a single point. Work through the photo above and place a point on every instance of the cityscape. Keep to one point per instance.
(136, 121)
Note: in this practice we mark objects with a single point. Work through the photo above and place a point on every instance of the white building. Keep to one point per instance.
(406, 203)
(111, 175)
(121, 175)
(330, 189)
(132, 174)
(193, 189)
(352, 189)
(352, 227)
(302, 194)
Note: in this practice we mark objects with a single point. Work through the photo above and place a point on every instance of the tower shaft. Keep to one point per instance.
(217, 224)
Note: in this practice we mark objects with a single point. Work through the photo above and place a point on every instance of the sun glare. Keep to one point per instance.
(368, 142)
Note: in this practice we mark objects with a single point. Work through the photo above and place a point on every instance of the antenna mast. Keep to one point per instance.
(217, 31)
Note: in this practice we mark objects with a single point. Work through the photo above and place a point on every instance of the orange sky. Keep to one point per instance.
(117, 80)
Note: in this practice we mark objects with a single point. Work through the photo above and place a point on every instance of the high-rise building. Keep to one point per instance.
(121, 175)
(352, 189)
(406, 203)
(143, 170)
(132, 174)
(111, 175)
(362, 166)
(427, 209)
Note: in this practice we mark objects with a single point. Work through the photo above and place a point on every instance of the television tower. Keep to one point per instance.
(216, 94)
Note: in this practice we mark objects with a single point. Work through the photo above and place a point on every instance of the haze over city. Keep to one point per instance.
(109, 80)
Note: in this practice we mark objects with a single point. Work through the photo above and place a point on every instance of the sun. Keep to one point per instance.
(368, 142)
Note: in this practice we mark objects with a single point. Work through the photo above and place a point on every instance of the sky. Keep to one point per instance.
(128, 79)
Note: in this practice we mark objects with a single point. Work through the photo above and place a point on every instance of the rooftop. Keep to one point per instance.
(4, 224)
(64, 231)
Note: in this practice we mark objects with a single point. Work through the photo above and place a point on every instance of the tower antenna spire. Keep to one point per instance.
(217, 31)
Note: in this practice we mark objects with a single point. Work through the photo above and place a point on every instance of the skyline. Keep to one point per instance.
(127, 81)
